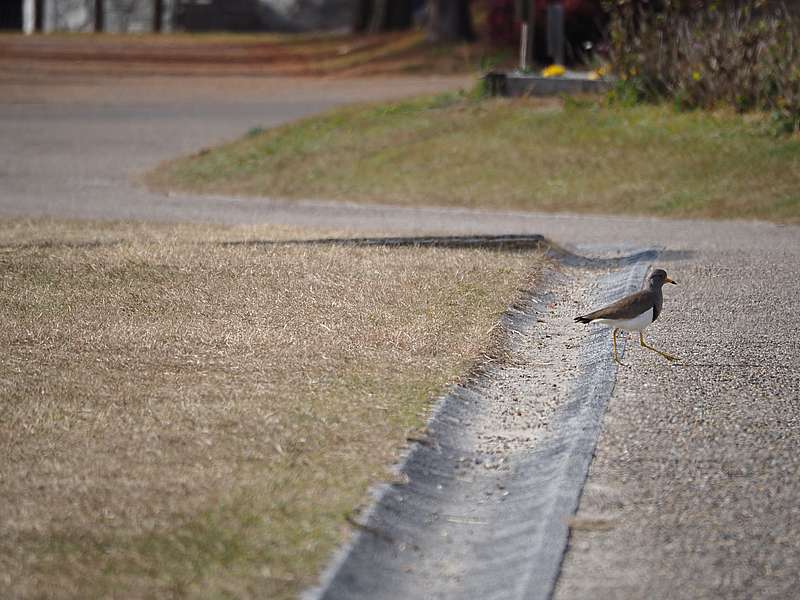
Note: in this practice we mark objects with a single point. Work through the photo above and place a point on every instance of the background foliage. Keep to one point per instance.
(708, 54)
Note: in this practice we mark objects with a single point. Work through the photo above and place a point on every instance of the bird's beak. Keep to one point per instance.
(668, 280)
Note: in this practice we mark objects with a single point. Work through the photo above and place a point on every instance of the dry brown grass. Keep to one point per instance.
(184, 418)
(241, 54)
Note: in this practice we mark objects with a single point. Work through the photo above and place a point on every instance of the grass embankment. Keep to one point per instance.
(520, 155)
(185, 418)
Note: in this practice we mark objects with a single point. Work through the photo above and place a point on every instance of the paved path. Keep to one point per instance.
(71, 144)
(694, 489)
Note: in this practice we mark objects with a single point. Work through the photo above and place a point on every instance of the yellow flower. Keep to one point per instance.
(696, 75)
(598, 73)
(554, 71)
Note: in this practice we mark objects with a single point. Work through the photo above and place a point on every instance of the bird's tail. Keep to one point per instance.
(584, 319)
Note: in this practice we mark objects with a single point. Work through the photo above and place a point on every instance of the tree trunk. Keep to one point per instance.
(363, 16)
(38, 16)
(450, 21)
(99, 15)
(158, 13)
(373, 16)
(398, 15)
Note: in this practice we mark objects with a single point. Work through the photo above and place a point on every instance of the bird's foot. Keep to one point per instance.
(669, 357)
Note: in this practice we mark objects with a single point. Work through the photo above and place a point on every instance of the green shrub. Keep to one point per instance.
(708, 54)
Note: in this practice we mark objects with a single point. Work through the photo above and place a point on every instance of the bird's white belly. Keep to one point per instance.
(635, 324)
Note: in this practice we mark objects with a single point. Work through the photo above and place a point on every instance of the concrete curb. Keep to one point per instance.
(528, 84)
(511, 545)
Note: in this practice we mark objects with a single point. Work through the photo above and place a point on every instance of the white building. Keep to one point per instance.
(90, 15)
(174, 15)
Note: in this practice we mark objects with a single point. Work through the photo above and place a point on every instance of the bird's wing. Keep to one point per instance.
(628, 307)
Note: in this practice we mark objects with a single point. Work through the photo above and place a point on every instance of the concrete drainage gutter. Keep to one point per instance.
(482, 511)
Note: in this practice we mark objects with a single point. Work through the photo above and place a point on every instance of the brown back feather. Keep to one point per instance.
(628, 307)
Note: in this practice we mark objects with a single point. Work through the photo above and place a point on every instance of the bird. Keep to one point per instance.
(634, 312)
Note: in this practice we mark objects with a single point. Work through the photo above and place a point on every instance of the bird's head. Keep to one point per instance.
(659, 277)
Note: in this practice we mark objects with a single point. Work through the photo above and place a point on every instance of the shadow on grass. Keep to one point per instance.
(50, 245)
(501, 243)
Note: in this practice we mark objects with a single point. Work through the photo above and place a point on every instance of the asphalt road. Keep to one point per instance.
(694, 489)
(72, 144)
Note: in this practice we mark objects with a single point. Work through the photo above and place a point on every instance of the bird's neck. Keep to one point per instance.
(658, 300)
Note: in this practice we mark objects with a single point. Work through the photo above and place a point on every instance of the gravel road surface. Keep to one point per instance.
(694, 489)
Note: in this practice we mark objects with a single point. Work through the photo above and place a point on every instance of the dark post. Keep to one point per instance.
(99, 15)
(158, 13)
(555, 31)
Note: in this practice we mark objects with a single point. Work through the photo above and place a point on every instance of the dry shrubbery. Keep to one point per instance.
(708, 54)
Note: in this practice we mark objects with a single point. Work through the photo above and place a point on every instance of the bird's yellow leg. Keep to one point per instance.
(664, 354)
(616, 356)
